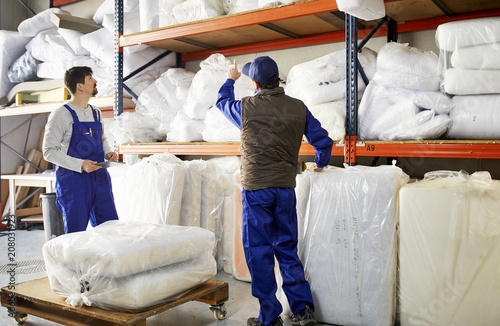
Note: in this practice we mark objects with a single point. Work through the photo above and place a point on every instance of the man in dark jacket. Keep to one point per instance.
(272, 125)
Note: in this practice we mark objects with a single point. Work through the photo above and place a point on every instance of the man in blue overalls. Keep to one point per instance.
(272, 125)
(74, 141)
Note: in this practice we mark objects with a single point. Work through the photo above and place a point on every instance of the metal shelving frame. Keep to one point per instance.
(351, 147)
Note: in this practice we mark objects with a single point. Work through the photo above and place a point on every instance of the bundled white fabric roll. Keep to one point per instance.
(108, 8)
(218, 128)
(12, 46)
(323, 79)
(32, 26)
(347, 221)
(206, 84)
(236, 6)
(464, 33)
(40, 38)
(129, 266)
(133, 127)
(183, 129)
(51, 70)
(392, 114)
(449, 250)
(400, 65)
(364, 9)
(475, 117)
(459, 81)
(331, 115)
(194, 10)
(72, 38)
(479, 57)
(182, 79)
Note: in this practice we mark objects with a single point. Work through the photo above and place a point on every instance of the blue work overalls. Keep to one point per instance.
(83, 196)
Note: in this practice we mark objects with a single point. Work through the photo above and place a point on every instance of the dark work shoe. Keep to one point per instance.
(255, 322)
(304, 318)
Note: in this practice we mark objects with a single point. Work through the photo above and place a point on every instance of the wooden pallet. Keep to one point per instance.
(36, 298)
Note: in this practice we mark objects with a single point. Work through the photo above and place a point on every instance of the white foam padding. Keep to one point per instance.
(464, 33)
(323, 79)
(152, 192)
(393, 114)
(128, 265)
(347, 221)
(218, 128)
(32, 26)
(207, 82)
(475, 117)
(194, 10)
(459, 81)
(449, 250)
(479, 57)
(364, 9)
(400, 65)
(12, 46)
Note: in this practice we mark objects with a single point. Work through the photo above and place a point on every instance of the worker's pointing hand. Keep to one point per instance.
(233, 73)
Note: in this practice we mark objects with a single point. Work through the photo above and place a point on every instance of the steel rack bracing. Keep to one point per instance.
(306, 23)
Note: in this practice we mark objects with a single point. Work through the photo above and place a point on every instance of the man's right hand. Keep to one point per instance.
(233, 73)
(90, 166)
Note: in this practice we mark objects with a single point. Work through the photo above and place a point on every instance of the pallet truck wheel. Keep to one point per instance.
(20, 317)
(219, 311)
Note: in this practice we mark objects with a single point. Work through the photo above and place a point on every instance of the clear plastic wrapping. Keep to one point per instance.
(387, 113)
(331, 115)
(166, 16)
(207, 82)
(449, 250)
(218, 128)
(400, 65)
(11, 47)
(347, 221)
(23, 69)
(236, 6)
(194, 10)
(272, 3)
(364, 9)
(469, 55)
(323, 79)
(129, 265)
(184, 129)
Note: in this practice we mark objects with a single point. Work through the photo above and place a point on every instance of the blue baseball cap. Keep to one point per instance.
(263, 70)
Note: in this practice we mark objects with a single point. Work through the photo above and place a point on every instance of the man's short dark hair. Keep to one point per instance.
(74, 76)
(270, 86)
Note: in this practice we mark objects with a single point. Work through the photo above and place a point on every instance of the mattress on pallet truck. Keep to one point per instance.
(347, 221)
(449, 250)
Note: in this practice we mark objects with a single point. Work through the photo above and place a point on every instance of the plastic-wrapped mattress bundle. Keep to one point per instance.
(403, 101)
(364, 9)
(152, 191)
(236, 6)
(129, 266)
(347, 221)
(331, 115)
(470, 52)
(323, 79)
(184, 129)
(449, 250)
(133, 127)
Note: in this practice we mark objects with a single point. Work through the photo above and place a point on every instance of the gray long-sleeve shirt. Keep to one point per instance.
(58, 131)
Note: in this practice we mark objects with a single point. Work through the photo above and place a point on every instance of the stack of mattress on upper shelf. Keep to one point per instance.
(129, 266)
(470, 55)
(403, 101)
(347, 221)
(449, 250)
(162, 189)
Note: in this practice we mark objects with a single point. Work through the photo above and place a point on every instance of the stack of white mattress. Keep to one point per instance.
(11, 47)
(347, 242)
(403, 101)
(364, 9)
(449, 250)
(129, 265)
(470, 51)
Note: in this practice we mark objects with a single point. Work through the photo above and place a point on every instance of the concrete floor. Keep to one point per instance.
(240, 306)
